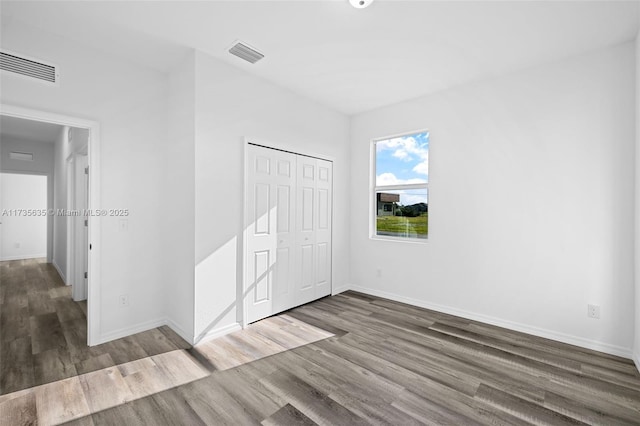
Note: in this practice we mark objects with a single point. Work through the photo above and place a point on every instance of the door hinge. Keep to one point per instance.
(86, 170)
(86, 275)
(86, 222)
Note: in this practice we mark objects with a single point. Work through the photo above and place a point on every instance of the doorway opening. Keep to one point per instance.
(73, 246)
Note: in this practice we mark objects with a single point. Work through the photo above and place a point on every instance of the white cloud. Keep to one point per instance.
(401, 154)
(407, 149)
(385, 179)
(422, 167)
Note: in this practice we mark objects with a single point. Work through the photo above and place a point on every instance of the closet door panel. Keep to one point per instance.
(324, 187)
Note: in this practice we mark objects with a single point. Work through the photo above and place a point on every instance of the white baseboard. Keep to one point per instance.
(341, 289)
(524, 328)
(128, 331)
(636, 359)
(64, 278)
(23, 257)
(148, 325)
(188, 337)
(218, 332)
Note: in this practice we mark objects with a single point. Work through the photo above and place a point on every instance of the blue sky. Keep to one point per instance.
(404, 160)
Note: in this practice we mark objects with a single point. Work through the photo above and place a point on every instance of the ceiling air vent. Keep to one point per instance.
(28, 67)
(242, 51)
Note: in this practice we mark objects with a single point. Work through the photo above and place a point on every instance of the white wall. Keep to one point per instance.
(531, 201)
(42, 164)
(130, 103)
(60, 202)
(231, 104)
(63, 151)
(180, 212)
(23, 236)
(636, 351)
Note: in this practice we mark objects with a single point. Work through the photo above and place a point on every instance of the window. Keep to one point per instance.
(400, 196)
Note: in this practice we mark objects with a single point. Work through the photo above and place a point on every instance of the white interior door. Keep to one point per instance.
(288, 243)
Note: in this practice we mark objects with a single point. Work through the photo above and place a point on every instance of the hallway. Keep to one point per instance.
(43, 332)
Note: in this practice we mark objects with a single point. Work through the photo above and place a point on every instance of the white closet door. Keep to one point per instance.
(284, 265)
(288, 243)
(323, 229)
(313, 213)
(271, 232)
(307, 221)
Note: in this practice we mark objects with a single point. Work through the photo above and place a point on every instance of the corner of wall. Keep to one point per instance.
(215, 333)
(129, 330)
(341, 289)
(636, 346)
(62, 275)
(188, 337)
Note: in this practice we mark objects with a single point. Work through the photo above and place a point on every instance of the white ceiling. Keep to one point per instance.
(28, 130)
(350, 60)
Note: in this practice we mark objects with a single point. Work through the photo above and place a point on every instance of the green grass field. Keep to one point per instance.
(403, 225)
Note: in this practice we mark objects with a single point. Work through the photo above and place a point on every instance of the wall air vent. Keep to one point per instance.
(28, 67)
(243, 51)
(23, 156)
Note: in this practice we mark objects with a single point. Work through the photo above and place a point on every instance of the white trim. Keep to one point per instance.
(636, 360)
(515, 326)
(243, 303)
(409, 240)
(93, 314)
(401, 187)
(23, 257)
(374, 189)
(218, 332)
(55, 265)
(149, 325)
(129, 330)
(179, 330)
(341, 289)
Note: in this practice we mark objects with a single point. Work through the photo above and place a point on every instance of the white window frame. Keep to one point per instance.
(374, 189)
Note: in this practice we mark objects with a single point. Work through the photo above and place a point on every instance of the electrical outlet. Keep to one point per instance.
(593, 311)
(378, 272)
(123, 300)
(17, 245)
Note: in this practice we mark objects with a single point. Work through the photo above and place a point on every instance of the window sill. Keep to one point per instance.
(399, 239)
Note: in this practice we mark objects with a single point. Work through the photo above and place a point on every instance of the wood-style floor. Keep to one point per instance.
(372, 361)
(43, 332)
